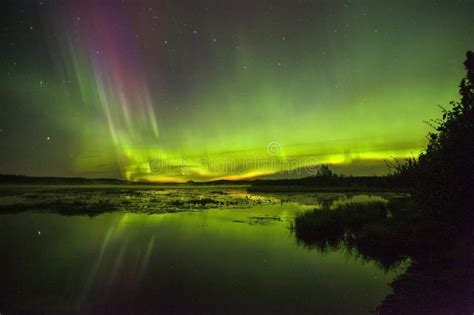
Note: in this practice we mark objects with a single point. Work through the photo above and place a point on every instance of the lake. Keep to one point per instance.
(175, 250)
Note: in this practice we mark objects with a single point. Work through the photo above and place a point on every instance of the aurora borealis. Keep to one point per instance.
(204, 90)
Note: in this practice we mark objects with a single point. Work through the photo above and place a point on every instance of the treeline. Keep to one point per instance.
(25, 180)
(442, 177)
(325, 178)
(385, 182)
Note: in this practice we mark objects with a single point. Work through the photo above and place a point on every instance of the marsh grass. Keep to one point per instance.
(93, 201)
(387, 233)
(323, 227)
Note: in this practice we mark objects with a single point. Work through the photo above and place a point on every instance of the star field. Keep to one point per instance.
(176, 91)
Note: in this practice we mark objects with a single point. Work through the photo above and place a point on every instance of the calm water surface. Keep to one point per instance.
(236, 257)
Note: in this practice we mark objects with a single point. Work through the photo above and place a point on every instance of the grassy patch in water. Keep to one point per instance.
(386, 233)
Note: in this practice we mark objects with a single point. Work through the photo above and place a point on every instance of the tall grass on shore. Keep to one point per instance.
(386, 233)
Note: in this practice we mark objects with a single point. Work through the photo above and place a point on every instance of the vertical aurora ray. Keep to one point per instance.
(177, 91)
(104, 57)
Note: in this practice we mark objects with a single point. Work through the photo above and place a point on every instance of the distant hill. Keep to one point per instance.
(8, 179)
(310, 183)
(328, 183)
(357, 168)
(24, 180)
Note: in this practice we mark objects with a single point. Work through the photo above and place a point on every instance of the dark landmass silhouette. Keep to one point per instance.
(31, 180)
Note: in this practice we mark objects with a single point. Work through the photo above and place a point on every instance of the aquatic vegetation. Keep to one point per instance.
(92, 200)
(385, 232)
(260, 220)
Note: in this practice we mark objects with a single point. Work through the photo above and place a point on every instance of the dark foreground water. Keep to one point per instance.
(214, 251)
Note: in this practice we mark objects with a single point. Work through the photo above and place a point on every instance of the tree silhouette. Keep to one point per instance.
(442, 177)
(325, 171)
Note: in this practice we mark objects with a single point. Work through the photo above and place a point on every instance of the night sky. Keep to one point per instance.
(203, 90)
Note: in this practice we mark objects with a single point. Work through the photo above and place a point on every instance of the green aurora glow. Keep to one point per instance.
(172, 92)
